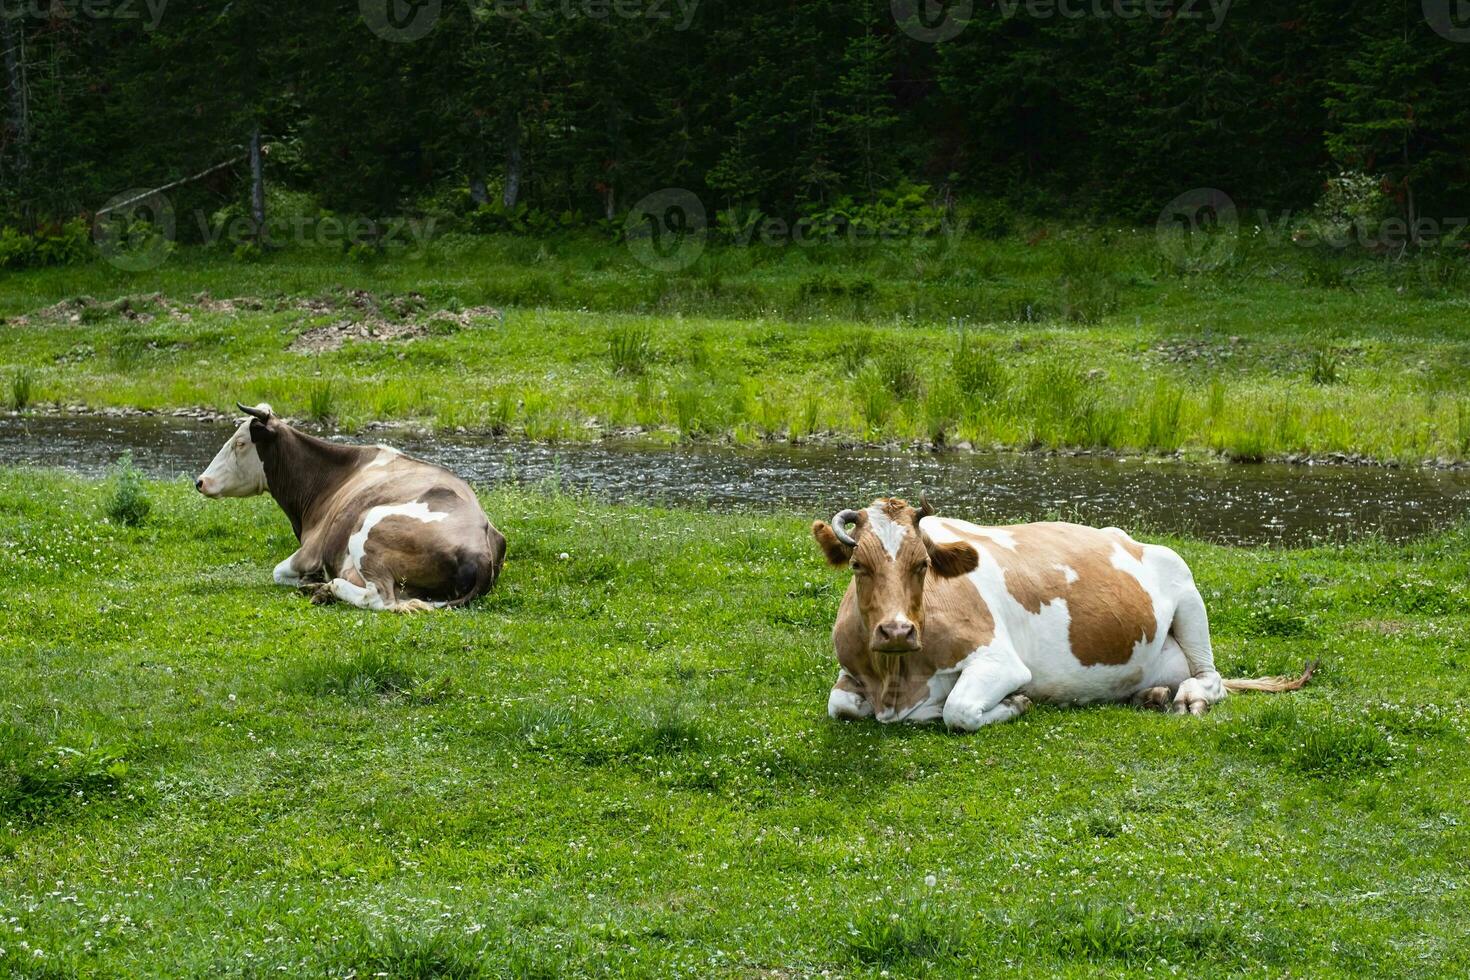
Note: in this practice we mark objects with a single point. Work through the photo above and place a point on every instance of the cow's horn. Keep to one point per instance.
(260, 414)
(925, 508)
(839, 526)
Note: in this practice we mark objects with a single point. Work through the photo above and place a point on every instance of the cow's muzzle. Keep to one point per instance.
(896, 636)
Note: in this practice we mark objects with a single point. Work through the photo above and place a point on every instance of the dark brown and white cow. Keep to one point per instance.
(383, 531)
(947, 619)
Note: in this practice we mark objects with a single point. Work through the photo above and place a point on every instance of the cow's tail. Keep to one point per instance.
(1274, 685)
(479, 570)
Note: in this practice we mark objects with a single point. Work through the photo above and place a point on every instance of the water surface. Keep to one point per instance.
(1236, 504)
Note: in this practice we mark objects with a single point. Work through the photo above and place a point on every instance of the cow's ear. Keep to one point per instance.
(837, 553)
(263, 432)
(951, 559)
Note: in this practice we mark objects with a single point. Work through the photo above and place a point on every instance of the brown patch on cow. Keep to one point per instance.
(1110, 611)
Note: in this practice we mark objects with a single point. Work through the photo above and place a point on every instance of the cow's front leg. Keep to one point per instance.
(987, 692)
(846, 702)
(292, 572)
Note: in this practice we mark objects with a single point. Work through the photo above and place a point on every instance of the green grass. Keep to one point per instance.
(618, 763)
(1072, 339)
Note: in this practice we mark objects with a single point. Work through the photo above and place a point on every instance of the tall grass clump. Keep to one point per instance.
(1324, 368)
(875, 400)
(1316, 740)
(942, 409)
(129, 504)
(978, 373)
(1462, 426)
(898, 369)
(369, 674)
(22, 384)
(35, 778)
(1165, 413)
(321, 401)
(1088, 289)
(630, 348)
(895, 937)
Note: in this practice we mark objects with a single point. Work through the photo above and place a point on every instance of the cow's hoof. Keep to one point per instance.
(1192, 706)
(1020, 702)
(321, 595)
(1154, 699)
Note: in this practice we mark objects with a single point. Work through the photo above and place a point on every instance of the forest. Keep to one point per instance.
(536, 115)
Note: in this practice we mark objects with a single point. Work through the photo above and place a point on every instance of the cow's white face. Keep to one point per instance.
(236, 470)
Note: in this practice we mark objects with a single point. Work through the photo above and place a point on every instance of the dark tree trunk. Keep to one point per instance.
(12, 40)
(257, 184)
(513, 167)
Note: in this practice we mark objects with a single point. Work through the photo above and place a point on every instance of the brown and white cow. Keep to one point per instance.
(947, 619)
(383, 531)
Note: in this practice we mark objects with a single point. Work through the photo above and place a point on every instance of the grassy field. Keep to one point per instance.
(619, 764)
(1073, 339)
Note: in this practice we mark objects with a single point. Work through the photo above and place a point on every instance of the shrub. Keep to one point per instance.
(69, 244)
(986, 218)
(129, 504)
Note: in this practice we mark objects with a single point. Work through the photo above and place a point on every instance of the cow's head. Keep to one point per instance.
(237, 470)
(891, 557)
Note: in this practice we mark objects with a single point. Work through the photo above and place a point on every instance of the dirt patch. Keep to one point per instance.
(370, 325)
(334, 335)
(1190, 350)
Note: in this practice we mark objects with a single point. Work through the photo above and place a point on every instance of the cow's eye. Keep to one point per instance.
(859, 567)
